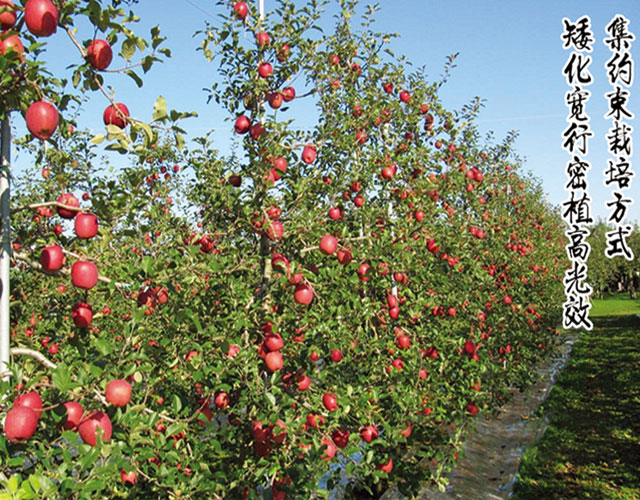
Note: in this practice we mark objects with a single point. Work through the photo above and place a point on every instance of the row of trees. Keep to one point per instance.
(341, 300)
(617, 274)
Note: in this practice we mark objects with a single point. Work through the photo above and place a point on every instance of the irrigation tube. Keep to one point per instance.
(5, 250)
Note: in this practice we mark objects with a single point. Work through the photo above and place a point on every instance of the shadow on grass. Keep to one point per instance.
(591, 448)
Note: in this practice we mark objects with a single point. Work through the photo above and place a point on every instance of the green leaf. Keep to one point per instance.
(179, 142)
(13, 484)
(35, 483)
(128, 48)
(134, 77)
(98, 139)
(93, 485)
(271, 398)
(103, 346)
(62, 379)
(114, 132)
(146, 63)
(147, 265)
(147, 132)
(177, 403)
(195, 319)
(160, 109)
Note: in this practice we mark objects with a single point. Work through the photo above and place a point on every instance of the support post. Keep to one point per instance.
(5, 249)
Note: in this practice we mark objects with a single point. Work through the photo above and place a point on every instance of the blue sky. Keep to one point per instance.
(510, 54)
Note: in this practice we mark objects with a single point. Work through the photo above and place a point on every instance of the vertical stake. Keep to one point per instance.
(5, 249)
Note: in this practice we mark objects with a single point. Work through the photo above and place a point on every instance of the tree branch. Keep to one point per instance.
(65, 272)
(20, 351)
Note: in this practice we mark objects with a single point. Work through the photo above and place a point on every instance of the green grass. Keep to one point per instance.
(591, 449)
(617, 305)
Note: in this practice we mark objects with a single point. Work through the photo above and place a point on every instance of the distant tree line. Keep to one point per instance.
(616, 274)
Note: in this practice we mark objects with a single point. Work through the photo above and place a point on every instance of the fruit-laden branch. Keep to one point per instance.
(20, 351)
(56, 204)
(36, 265)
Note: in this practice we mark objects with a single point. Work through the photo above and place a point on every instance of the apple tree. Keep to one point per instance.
(330, 301)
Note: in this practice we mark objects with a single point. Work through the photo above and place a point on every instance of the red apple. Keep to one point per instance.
(116, 114)
(262, 39)
(405, 96)
(387, 466)
(8, 17)
(330, 402)
(387, 173)
(309, 154)
(402, 341)
(86, 225)
(118, 392)
(32, 400)
(69, 200)
(303, 294)
(406, 432)
(243, 124)
(256, 130)
(275, 99)
(84, 274)
(362, 270)
(221, 400)
(273, 361)
(240, 10)
(82, 314)
(41, 17)
(52, 258)
(340, 437)
(74, 415)
(265, 70)
(328, 244)
(99, 54)
(283, 53)
(235, 180)
(369, 433)
(336, 355)
(275, 231)
(128, 477)
(344, 256)
(42, 119)
(288, 94)
(273, 342)
(20, 424)
(97, 423)
(472, 408)
(330, 450)
(334, 213)
(280, 164)
(304, 382)
(11, 42)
